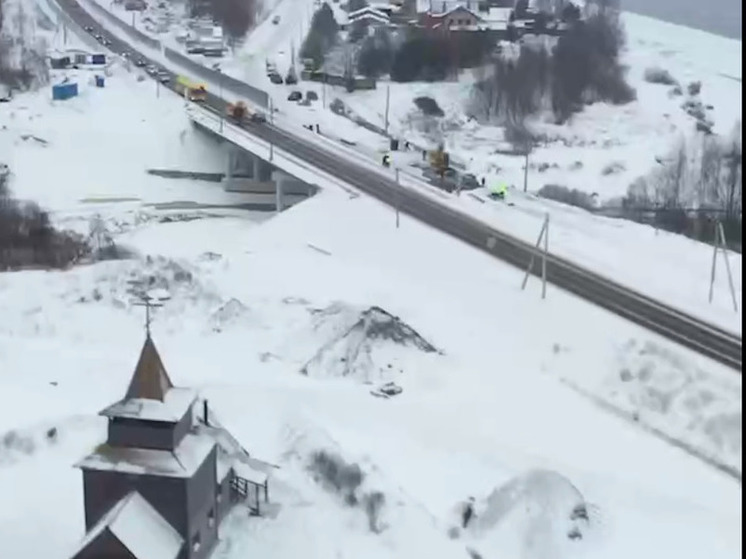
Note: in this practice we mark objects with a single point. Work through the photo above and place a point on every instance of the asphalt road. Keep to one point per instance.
(677, 326)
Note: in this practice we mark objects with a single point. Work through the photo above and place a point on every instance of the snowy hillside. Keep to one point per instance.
(502, 393)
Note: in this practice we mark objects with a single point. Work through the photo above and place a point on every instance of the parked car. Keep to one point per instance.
(291, 78)
(469, 182)
(276, 20)
(275, 78)
(295, 96)
(312, 95)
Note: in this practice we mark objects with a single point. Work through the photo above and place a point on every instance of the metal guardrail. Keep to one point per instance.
(124, 26)
(253, 94)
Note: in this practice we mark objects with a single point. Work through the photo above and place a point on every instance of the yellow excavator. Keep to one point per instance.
(237, 111)
(439, 160)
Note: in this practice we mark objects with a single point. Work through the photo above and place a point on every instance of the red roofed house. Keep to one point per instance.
(166, 476)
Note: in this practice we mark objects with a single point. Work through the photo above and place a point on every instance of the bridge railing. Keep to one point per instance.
(136, 34)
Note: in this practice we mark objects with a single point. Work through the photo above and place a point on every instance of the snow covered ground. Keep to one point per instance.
(287, 325)
(668, 267)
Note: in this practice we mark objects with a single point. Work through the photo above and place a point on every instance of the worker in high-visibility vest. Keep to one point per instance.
(499, 191)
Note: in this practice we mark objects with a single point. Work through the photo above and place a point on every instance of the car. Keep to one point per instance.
(295, 96)
(311, 95)
(89, 29)
(98, 37)
(275, 78)
(106, 42)
(163, 76)
(258, 117)
(151, 70)
(276, 20)
(469, 182)
(291, 78)
(140, 63)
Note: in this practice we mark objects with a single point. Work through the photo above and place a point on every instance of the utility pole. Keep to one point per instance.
(323, 90)
(272, 123)
(396, 197)
(721, 243)
(525, 169)
(386, 116)
(543, 236)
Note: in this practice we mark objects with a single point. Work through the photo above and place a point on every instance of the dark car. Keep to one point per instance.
(469, 182)
(295, 96)
(312, 95)
(275, 78)
(258, 117)
(140, 63)
(89, 29)
(164, 77)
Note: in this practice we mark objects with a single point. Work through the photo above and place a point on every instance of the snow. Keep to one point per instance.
(176, 403)
(495, 405)
(181, 462)
(144, 532)
(670, 268)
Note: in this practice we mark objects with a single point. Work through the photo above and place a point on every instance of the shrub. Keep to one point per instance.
(428, 106)
(27, 238)
(659, 75)
(572, 197)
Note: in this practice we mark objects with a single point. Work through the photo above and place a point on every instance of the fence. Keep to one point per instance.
(342, 81)
(131, 31)
(256, 96)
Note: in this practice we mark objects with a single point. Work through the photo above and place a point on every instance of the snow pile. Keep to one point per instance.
(537, 515)
(374, 347)
(231, 313)
(668, 392)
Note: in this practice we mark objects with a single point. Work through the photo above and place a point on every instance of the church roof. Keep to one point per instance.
(139, 528)
(150, 380)
(151, 395)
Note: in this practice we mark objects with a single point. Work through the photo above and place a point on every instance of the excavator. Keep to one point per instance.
(439, 160)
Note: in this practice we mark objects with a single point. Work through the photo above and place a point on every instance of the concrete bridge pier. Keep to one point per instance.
(287, 184)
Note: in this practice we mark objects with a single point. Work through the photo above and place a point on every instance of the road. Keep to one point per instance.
(693, 333)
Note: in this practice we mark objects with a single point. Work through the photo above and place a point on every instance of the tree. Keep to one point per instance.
(322, 35)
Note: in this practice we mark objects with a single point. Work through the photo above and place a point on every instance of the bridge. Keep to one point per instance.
(293, 156)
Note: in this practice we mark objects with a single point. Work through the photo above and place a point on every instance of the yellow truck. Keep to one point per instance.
(191, 90)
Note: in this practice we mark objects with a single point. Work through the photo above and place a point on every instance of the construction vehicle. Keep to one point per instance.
(439, 160)
(237, 111)
(191, 90)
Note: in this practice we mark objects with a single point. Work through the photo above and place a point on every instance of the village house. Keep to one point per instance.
(167, 475)
(370, 17)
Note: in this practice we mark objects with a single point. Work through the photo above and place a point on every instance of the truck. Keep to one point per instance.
(239, 112)
(191, 90)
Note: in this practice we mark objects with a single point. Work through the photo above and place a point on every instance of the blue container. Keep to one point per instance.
(99, 81)
(98, 59)
(64, 91)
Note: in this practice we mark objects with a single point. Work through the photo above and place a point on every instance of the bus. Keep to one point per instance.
(191, 90)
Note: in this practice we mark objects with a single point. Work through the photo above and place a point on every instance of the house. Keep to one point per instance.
(457, 19)
(167, 474)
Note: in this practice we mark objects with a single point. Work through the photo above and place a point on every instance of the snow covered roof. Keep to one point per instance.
(498, 14)
(151, 394)
(139, 527)
(181, 462)
(368, 13)
(249, 474)
(175, 404)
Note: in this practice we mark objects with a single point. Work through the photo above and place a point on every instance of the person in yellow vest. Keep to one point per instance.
(499, 191)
